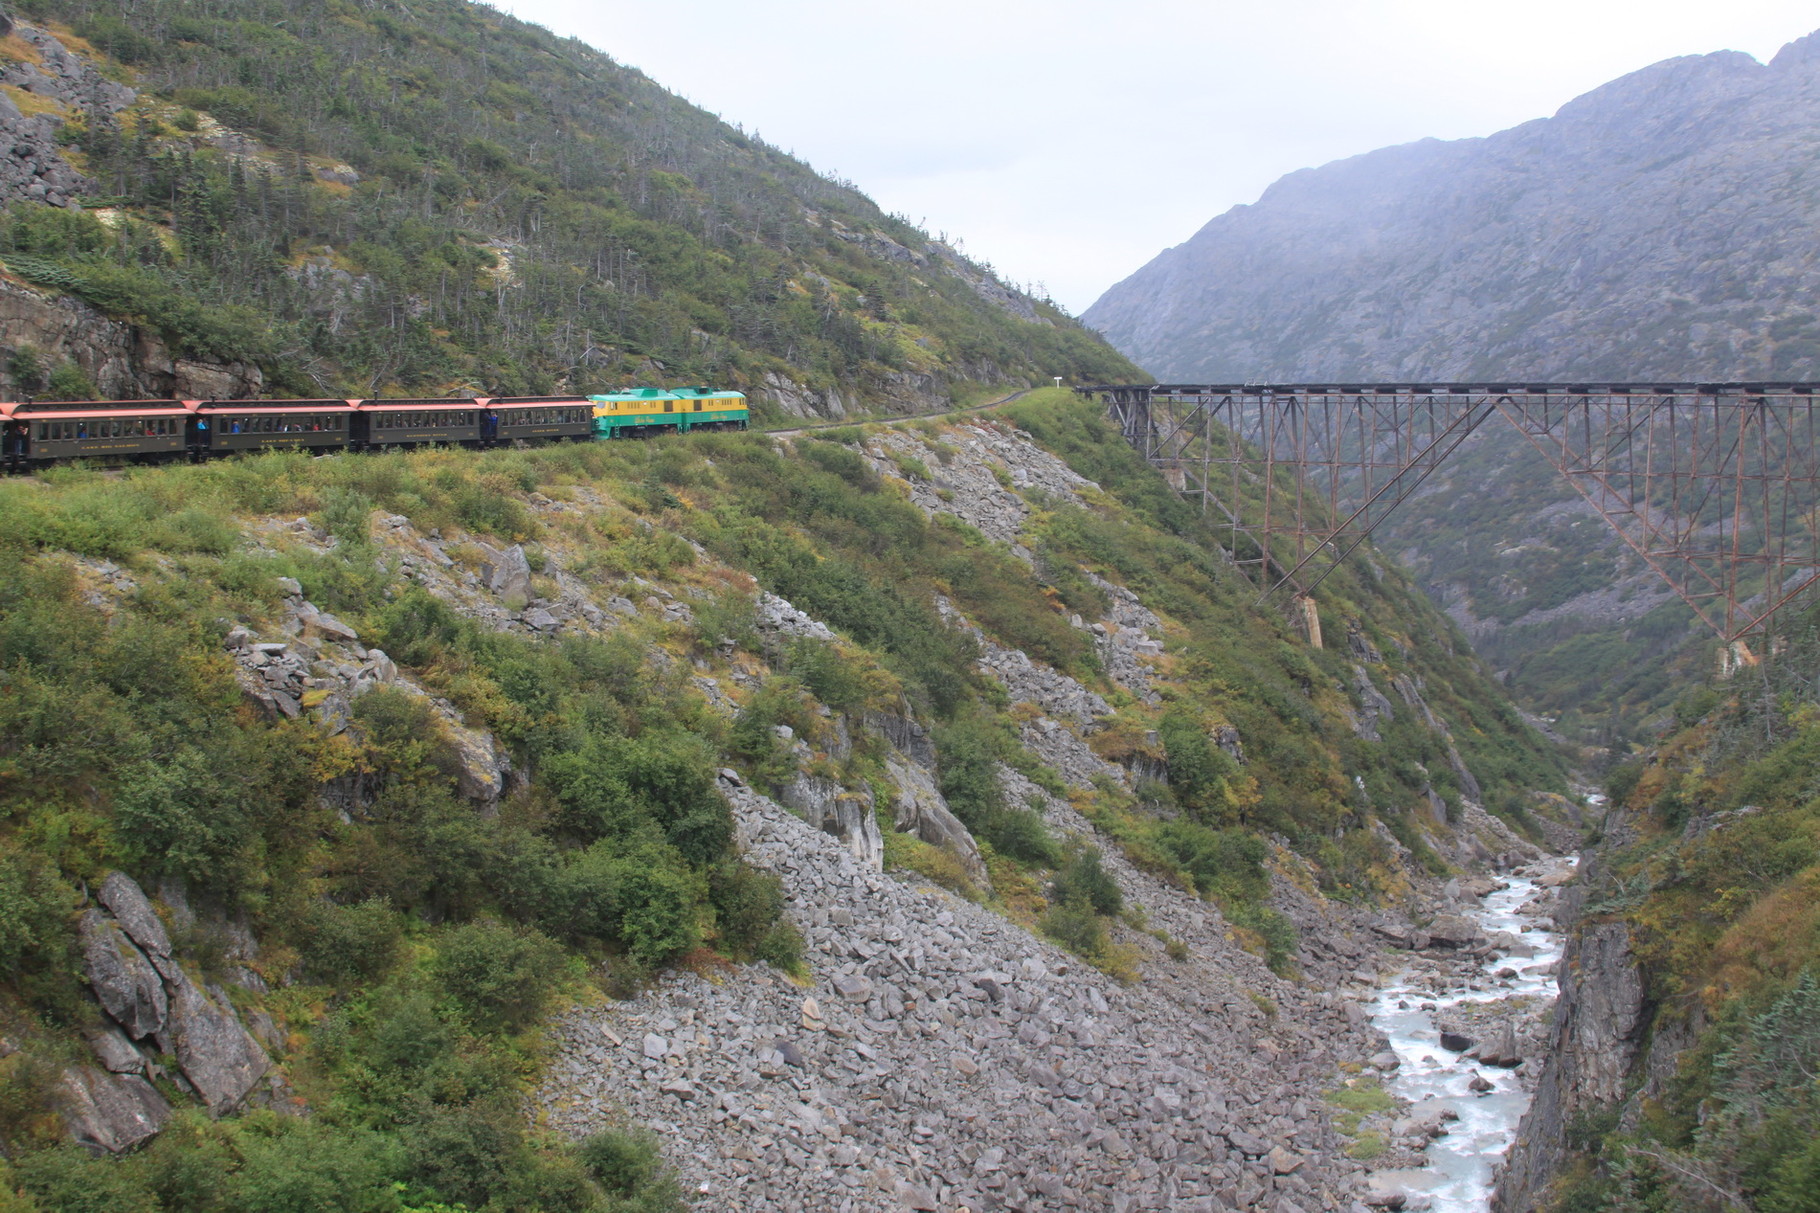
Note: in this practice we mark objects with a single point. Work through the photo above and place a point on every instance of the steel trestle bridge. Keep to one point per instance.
(1714, 485)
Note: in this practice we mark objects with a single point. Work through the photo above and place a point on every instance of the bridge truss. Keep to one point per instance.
(1714, 486)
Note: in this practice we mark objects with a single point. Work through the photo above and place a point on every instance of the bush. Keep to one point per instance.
(69, 382)
(1278, 935)
(346, 945)
(629, 1167)
(292, 1165)
(35, 908)
(1075, 926)
(747, 905)
(1021, 835)
(1227, 865)
(1084, 879)
(503, 978)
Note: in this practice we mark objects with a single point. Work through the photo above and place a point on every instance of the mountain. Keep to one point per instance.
(1659, 227)
(324, 197)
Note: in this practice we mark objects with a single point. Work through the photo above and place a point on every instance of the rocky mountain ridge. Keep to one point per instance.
(1656, 228)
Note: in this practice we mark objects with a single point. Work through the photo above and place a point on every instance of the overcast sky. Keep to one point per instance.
(1069, 141)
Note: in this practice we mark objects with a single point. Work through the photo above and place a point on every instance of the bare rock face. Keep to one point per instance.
(1497, 256)
(1592, 1051)
(147, 993)
(221, 1060)
(917, 807)
(127, 902)
(832, 809)
(126, 984)
(110, 1112)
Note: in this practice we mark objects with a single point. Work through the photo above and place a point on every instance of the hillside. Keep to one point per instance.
(1688, 1032)
(771, 769)
(320, 197)
(1660, 227)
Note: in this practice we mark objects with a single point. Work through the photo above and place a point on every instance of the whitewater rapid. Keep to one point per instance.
(1458, 1177)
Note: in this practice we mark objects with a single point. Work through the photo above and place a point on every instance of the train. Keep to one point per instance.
(39, 433)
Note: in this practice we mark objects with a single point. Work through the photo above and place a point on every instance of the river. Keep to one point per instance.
(1458, 1177)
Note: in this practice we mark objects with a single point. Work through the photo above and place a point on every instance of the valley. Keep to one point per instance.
(906, 803)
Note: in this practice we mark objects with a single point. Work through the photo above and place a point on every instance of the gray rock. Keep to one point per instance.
(321, 624)
(114, 1050)
(1502, 1049)
(507, 573)
(917, 807)
(128, 903)
(124, 981)
(832, 809)
(221, 1060)
(109, 1112)
(1454, 931)
(655, 1046)
(1245, 1143)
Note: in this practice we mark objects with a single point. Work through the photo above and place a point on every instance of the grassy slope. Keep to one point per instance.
(412, 948)
(530, 216)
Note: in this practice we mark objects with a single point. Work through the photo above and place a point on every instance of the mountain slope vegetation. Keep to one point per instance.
(366, 199)
(412, 926)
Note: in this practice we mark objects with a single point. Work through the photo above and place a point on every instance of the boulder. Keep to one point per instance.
(1454, 1042)
(483, 766)
(1502, 1049)
(1453, 931)
(507, 573)
(109, 1112)
(321, 624)
(124, 981)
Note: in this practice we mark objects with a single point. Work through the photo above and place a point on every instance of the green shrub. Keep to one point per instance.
(1083, 878)
(502, 977)
(747, 905)
(1227, 865)
(69, 382)
(1022, 835)
(1075, 926)
(629, 1167)
(35, 910)
(1281, 940)
(294, 1165)
(347, 945)
(67, 1179)
(830, 677)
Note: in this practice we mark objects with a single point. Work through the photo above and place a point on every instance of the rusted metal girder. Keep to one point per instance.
(1714, 486)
